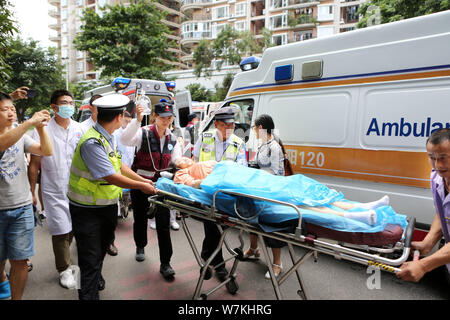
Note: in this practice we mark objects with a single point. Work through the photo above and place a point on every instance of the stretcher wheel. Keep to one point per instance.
(203, 296)
(208, 273)
(239, 253)
(232, 286)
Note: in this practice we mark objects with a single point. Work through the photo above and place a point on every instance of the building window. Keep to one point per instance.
(80, 2)
(65, 41)
(303, 35)
(239, 26)
(325, 31)
(63, 3)
(325, 13)
(80, 66)
(221, 12)
(64, 53)
(241, 9)
(279, 39)
(216, 29)
(279, 21)
(278, 3)
(64, 27)
(63, 13)
(80, 55)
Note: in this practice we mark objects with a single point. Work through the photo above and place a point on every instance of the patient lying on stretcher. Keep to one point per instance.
(192, 174)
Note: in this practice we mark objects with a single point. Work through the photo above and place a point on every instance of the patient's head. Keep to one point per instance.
(183, 162)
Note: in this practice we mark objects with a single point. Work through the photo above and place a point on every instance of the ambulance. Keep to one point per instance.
(354, 110)
(155, 90)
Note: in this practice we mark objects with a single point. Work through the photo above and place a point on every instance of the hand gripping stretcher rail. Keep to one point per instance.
(366, 254)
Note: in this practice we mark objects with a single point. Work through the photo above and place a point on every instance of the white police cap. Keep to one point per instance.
(111, 102)
(225, 114)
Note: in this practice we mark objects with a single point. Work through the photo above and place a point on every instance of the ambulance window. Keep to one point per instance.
(243, 117)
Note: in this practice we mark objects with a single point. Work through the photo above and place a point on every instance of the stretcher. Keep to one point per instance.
(386, 249)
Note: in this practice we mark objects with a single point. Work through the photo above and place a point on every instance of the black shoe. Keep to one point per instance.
(101, 284)
(221, 273)
(140, 254)
(166, 271)
(112, 250)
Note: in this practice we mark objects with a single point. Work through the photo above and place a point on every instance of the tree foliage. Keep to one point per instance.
(7, 29)
(229, 47)
(199, 92)
(221, 91)
(36, 68)
(385, 11)
(126, 40)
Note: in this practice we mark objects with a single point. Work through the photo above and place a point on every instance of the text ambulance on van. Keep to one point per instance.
(354, 110)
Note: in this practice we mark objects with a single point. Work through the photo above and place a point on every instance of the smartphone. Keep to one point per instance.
(31, 93)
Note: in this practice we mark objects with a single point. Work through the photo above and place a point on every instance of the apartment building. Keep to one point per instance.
(67, 23)
(289, 20)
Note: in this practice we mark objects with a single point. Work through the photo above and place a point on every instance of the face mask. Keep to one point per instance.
(66, 111)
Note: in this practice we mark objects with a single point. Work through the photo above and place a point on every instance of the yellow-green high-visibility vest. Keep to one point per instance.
(83, 188)
(208, 149)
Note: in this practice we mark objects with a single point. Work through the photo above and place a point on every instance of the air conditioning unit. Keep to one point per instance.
(264, 11)
(208, 9)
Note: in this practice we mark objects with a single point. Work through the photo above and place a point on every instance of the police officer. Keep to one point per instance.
(156, 147)
(219, 144)
(97, 177)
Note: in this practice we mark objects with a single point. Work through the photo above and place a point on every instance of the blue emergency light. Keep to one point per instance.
(249, 63)
(284, 73)
(170, 85)
(120, 83)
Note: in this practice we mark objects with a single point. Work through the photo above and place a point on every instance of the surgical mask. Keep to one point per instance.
(66, 111)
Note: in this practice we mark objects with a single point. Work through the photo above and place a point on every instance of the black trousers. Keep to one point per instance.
(210, 243)
(140, 204)
(93, 229)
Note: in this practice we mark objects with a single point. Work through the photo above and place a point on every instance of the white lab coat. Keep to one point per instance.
(55, 172)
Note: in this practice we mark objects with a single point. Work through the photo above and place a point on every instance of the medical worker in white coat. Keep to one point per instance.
(55, 171)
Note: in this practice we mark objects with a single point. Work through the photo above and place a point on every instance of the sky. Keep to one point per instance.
(33, 20)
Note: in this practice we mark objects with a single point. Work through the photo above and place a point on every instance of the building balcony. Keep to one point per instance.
(55, 38)
(188, 39)
(171, 24)
(194, 4)
(187, 58)
(173, 37)
(54, 26)
(198, 17)
(169, 9)
(53, 2)
(348, 3)
(53, 13)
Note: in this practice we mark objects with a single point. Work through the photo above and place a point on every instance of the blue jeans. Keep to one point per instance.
(17, 233)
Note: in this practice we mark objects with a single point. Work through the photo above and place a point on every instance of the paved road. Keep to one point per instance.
(127, 279)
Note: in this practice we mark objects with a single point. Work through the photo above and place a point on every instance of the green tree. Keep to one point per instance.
(229, 47)
(7, 29)
(199, 92)
(127, 40)
(36, 68)
(78, 89)
(385, 11)
(221, 91)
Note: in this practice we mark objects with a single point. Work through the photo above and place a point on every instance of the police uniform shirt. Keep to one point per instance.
(219, 149)
(95, 157)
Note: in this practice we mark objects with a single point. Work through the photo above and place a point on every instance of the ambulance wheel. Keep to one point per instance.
(232, 286)
(239, 254)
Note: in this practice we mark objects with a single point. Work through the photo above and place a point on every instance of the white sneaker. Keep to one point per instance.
(174, 225)
(66, 279)
(152, 224)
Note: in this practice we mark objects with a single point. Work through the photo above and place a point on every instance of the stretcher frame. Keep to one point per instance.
(362, 254)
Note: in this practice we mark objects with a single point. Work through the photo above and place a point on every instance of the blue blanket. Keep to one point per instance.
(297, 189)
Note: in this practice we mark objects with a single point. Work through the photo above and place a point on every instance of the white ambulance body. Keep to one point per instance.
(354, 110)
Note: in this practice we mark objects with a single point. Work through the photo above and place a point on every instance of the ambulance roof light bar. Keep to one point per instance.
(120, 83)
(249, 63)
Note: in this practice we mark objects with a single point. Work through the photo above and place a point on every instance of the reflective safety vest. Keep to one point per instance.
(208, 149)
(83, 188)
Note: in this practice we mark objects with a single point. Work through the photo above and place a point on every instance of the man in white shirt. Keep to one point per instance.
(55, 169)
